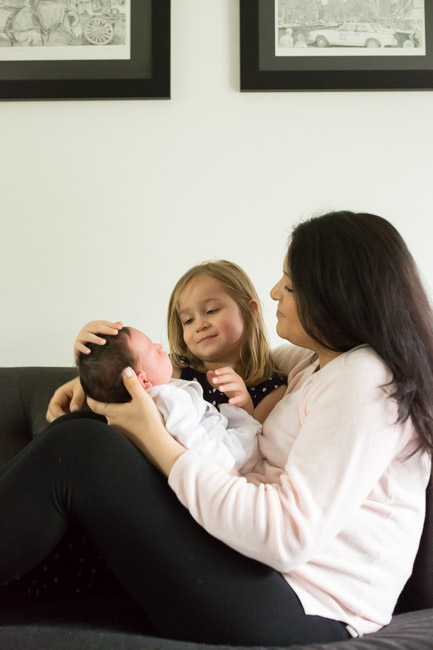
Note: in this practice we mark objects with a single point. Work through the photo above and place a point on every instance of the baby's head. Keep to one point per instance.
(101, 370)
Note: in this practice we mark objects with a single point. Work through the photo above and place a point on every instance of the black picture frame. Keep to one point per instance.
(261, 70)
(145, 75)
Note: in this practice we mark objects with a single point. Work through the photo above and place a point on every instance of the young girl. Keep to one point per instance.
(216, 335)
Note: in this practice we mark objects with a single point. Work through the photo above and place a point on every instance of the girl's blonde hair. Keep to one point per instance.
(255, 356)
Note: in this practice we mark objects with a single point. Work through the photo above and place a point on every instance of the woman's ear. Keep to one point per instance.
(254, 306)
(144, 381)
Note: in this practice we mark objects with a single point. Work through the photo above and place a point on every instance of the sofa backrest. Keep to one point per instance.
(24, 397)
(418, 591)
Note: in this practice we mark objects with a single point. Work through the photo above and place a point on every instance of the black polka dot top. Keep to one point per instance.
(215, 397)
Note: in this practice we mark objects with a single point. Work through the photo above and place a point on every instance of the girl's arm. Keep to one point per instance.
(67, 398)
(232, 384)
(264, 407)
(229, 382)
(89, 334)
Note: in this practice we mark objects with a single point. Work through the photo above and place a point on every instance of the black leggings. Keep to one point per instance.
(190, 585)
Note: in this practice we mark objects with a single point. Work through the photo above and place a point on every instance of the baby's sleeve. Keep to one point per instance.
(243, 431)
(185, 423)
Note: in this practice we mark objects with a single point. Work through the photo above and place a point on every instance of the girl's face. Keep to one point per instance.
(212, 322)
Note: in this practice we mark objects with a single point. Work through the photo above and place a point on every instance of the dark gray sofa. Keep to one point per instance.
(114, 622)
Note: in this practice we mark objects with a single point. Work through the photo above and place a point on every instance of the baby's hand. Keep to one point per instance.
(232, 384)
(88, 334)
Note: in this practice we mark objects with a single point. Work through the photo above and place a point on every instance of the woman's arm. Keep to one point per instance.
(141, 422)
(346, 440)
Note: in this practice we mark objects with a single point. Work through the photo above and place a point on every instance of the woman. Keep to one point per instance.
(317, 542)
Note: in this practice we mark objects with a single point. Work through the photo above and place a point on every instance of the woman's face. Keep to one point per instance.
(289, 326)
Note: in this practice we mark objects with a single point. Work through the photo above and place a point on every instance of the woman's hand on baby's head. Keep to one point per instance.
(141, 422)
(89, 334)
(131, 418)
(231, 384)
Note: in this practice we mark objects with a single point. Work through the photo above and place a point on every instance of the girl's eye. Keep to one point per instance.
(188, 321)
(288, 289)
(212, 311)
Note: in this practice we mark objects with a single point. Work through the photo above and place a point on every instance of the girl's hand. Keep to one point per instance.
(88, 334)
(68, 397)
(232, 384)
(141, 422)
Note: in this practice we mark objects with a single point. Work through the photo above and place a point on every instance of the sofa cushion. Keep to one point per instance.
(412, 631)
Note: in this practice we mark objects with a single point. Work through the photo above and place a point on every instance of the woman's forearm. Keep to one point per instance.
(159, 447)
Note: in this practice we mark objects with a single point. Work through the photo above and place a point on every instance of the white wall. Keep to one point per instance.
(105, 204)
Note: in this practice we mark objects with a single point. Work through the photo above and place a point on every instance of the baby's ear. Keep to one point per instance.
(144, 381)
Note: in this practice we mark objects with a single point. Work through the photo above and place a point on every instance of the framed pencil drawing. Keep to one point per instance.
(336, 45)
(84, 49)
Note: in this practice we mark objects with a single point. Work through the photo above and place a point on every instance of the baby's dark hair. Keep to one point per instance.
(101, 371)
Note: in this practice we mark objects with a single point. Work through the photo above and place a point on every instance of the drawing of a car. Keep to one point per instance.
(352, 34)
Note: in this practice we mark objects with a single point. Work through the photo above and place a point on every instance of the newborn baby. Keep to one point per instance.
(227, 438)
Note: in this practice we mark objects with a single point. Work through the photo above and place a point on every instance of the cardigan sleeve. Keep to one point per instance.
(348, 437)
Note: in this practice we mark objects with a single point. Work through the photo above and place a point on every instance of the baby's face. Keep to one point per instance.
(151, 358)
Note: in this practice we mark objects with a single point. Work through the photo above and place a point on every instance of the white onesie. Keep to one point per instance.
(227, 438)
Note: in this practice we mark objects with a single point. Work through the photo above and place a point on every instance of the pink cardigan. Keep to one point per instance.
(336, 505)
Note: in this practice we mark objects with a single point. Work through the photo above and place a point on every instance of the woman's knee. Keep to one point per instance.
(86, 442)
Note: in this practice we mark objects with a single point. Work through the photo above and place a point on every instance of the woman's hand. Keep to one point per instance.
(68, 397)
(141, 422)
(89, 334)
(231, 384)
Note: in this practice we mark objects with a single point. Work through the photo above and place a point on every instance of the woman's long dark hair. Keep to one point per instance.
(355, 283)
